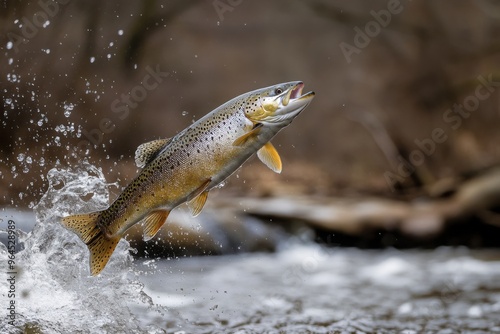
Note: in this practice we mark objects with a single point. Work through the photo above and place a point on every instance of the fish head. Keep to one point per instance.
(277, 105)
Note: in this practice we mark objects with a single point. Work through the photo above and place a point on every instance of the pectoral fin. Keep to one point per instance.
(248, 136)
(197, 203)
(146, 152)
(153, 222)
(270, 157)
(197, 199)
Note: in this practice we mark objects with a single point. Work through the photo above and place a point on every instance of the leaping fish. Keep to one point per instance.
(185, 167)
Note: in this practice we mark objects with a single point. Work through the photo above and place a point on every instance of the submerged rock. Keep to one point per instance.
(213, 232)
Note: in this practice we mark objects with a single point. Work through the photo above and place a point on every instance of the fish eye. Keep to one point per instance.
(278, 91)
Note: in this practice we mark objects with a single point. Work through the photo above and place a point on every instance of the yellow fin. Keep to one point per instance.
(84, 226)
(247, 136)
(153, 222)
(270, 157)
(197, 199)
(199, 190)
(100, 246)
(197, 203)
(146, 152)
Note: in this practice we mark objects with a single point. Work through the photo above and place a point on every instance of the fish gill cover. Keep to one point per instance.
(56, 294)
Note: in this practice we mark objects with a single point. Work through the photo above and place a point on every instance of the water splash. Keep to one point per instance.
(55, 292)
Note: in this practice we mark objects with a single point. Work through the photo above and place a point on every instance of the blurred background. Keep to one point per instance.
(400, 146)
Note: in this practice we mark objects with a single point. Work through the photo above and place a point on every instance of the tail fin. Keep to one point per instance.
(100, 246)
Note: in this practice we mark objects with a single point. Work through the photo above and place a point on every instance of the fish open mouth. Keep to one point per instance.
(296, 94)
(296, 91)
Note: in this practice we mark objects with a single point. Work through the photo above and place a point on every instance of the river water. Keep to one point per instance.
(301, 288)
(307, 289)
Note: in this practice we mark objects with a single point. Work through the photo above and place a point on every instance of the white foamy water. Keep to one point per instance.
(303, 288)
(54, 292)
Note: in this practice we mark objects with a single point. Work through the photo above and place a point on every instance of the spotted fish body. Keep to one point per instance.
(184, 168)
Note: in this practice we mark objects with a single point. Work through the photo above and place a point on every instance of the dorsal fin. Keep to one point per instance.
(146, 152)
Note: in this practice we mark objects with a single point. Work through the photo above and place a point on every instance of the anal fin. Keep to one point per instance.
(270, 157)
(197, 199)
(153, 222)
(197, 203)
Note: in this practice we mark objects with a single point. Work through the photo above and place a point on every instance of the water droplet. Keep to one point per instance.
(12, 77)
(68, 108)
(120, 32)
(20, 157)
(184, 113)
(92, 59)
(9, 45)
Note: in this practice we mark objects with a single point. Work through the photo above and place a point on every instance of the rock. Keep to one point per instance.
(213, 232)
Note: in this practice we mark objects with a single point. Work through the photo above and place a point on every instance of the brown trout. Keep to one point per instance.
(185, 167)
